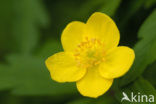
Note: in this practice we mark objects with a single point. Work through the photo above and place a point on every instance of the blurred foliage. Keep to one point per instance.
(30, 32)
(145, 49)
(149, 73)
(105, 99)
(141, 86)
(28, 15)
(32, 78)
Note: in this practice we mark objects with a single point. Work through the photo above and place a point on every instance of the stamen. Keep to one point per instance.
(83, 52)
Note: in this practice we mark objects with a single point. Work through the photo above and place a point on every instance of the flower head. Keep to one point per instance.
(91, 57)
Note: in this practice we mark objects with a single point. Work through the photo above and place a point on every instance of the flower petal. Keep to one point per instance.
(117, 62)
(62, 67)
(72, 35)
(92, 84)
(101, 26)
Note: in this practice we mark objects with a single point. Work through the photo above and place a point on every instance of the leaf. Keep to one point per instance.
(132, 7)
(49, 48)
(110, 6)
(139, 87)
(5, 78)
(150, 74)
(83, 10)
(29, 76)
(105, 6)
(145, 50)
(105, 99)
(150, 3)
(81, 101)
(5, 27)
(28, 15)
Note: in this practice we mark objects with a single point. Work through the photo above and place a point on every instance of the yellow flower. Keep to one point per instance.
(91, 57)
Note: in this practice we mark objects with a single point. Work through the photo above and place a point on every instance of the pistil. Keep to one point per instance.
(89, 53)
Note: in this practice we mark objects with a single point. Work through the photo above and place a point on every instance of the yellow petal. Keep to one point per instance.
(93, 84)
(62, 67)
(72, 35)
(117, 62)
(101, 26)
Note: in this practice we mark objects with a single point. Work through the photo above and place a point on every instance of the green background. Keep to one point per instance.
(30, 32)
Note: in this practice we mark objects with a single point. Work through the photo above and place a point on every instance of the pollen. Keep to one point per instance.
(89, 53)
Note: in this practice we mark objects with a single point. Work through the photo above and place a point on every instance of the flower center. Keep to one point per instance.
(89, 53)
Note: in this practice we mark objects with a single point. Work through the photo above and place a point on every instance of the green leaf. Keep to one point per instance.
(49, 48)
(150, 3)
(150, 74)
(28, 15)
(109, 7)
(139, 87)
(5, 77)
(81, 101)
(84, 9)
(132, 7)
(105, 6)
(105, 99)
(6, 42)
(29, 76)
(145, 50)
